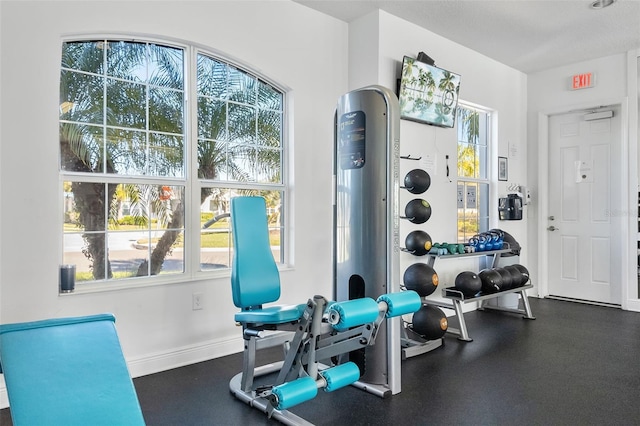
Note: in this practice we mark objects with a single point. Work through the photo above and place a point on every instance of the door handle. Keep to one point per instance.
(552, 228)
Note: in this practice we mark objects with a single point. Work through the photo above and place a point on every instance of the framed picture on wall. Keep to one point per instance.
(503, 168)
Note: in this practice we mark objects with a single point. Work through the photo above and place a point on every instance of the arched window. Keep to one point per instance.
(151, 134)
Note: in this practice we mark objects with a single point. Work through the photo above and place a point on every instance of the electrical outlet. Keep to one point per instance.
(196, 301)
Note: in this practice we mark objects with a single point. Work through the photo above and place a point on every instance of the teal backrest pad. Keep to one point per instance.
(255, 279)
(68, 371)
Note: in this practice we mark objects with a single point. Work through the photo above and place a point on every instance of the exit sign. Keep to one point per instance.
(583, 81)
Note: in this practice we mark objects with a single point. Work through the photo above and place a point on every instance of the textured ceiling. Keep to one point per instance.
(527, 35)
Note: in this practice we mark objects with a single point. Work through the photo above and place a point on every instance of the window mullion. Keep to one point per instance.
(147, 115)
(192, 227)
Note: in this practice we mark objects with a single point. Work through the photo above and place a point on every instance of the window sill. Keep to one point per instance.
(145, 282)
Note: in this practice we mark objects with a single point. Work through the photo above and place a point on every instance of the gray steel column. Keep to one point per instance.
(366, 240)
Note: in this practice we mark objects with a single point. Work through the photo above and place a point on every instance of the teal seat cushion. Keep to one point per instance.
(271, 315)
(68, 371)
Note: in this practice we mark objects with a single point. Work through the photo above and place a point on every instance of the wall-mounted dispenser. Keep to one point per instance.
(510, 208)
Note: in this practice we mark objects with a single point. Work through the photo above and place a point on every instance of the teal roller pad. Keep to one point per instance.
(329, 304)
(404, 302)
(296, 392)
(340, 376)
(353, 313)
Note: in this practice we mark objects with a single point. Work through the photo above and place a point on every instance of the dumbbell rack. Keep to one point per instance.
(457, 298)
(494, 253)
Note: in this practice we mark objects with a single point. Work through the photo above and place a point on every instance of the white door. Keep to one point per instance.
(585, 207)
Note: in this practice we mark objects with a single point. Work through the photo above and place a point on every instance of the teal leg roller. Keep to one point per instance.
(340, 376)
(344, 315)
(294, 393)
(404, 302)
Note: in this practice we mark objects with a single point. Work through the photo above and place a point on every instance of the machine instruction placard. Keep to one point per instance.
(351, 140)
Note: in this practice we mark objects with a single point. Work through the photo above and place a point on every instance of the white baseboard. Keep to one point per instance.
(633, 305)
(162, 361)
(179, 357)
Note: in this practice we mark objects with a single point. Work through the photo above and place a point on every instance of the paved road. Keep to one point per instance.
(125, 257)
(117, 240)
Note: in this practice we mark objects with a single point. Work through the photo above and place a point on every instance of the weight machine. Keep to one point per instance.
(326, 343)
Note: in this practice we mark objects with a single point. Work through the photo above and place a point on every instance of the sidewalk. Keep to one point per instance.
(129, 260)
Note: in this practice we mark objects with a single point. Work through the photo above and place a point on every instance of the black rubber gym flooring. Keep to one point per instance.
(575, 364)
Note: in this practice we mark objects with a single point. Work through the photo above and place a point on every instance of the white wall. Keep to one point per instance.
(549, 93)
(292, 44)
(484, 82)
(1, 203)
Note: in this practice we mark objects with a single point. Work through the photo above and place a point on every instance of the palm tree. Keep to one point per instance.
(80, 148)
(84, 114)
(215, 156)
(427, 85)
(447, 82)
(468, 158)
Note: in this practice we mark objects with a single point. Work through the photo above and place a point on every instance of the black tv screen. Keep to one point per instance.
(428, 94)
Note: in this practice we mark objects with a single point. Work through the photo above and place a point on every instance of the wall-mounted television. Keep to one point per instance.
(428, 94)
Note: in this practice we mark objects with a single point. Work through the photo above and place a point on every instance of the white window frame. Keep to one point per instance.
(487, 166)
(193, 185)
